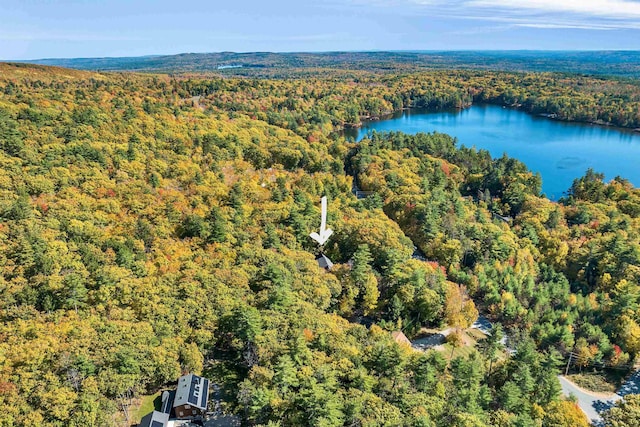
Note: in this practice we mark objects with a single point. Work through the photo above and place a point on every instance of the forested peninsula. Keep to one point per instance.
(155, 224)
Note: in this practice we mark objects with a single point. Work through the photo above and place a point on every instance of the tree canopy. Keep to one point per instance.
(153, 224)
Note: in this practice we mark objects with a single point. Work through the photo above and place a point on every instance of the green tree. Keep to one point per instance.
(492, 346)
(217, 226)
(625, 413)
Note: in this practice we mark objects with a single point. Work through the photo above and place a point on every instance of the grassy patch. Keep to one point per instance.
(463, 351)
(146, 404)
(599, 382)
(470, 338)
(476, 334)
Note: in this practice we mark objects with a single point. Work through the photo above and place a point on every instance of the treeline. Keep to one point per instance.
(145, 231)
(301, 64)
(313, 105)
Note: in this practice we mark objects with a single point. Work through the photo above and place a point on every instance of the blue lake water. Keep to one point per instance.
(560, 151)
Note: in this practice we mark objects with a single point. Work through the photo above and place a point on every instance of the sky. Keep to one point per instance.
(34, 29)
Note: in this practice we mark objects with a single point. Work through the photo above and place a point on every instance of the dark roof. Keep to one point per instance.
(167, 400)
(154, 419)
(324, 262)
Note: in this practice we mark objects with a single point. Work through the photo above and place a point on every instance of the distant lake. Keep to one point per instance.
(560, 151)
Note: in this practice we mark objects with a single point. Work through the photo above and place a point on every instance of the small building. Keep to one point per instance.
(324, 262)
(506, 219)
(155, 419)
(192, 396)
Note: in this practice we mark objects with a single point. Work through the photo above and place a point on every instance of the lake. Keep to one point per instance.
(560, 151)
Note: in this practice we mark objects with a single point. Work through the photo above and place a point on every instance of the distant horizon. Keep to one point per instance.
(151, 55)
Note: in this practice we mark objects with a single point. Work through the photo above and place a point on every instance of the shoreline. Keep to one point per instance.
(387, 115)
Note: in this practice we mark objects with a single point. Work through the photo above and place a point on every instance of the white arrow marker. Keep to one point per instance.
(325, 232)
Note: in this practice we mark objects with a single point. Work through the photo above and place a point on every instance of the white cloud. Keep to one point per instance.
(598, 27)
(618, 9)
(542, 14)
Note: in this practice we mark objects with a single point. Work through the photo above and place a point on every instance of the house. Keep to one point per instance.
(324, 262)
(192, 396)
(155, 419)
(189, 401)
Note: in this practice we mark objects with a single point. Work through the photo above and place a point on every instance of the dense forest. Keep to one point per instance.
(152, 225)
(606, 63)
